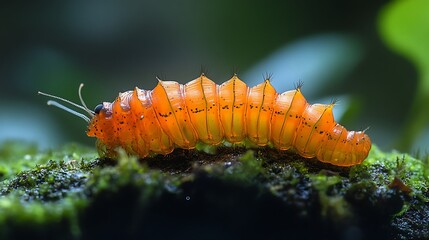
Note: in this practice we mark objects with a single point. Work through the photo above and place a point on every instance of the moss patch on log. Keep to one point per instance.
(233, 194)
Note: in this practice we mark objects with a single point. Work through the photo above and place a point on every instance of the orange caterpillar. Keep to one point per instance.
(144, 122)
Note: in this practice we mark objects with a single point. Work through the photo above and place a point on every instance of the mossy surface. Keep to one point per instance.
(235, 193)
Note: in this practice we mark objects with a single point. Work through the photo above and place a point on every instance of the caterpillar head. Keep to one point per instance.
(111, 118)
(101, 111)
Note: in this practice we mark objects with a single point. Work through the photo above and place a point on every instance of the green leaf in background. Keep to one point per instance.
(404, 26)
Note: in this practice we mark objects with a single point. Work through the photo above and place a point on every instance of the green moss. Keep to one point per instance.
(333, 206)
(16, 157)
(382, 168)
(247, 168)
(246, 193)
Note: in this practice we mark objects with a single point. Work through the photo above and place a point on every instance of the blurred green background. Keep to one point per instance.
(372, 56)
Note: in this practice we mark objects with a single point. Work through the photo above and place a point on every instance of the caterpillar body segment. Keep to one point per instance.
(259, 111)
(172, 113)
(232, 109)
(201, 98)
(286, 118)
